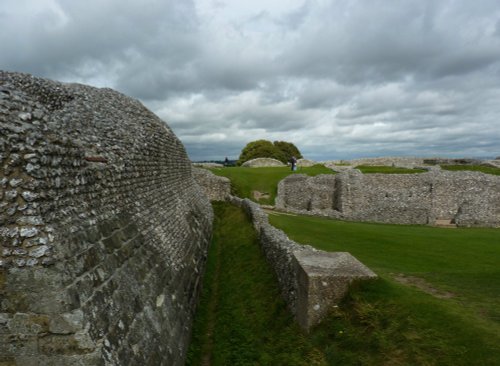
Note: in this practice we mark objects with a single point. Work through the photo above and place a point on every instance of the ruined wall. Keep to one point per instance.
(301, 192)
(262, 162)
(403, 162)
(104, 232)
(311, 280)
(216, 188)
(467, 198)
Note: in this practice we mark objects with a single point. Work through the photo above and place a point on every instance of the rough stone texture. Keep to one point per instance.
(262, 162)
(401, 162)
(311, 280)
(448, 161)
(208, 165)
(465, 198)
(306, 162)
(104, 232)
(216, 188)
(492, 163)
(323, 280)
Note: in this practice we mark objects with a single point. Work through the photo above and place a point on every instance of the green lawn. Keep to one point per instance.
(242, 319)
(474, 168)
(462, 263)
(264, 180)
(371, 169)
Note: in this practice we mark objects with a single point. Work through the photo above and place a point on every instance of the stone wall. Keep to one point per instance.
(403, 162)
(466, 198)
(262, 162)
(311, 280)
(216, 188)
(104, 232)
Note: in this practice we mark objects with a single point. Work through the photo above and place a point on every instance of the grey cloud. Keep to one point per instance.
(101, 32)
(378, 43)
(339, 78)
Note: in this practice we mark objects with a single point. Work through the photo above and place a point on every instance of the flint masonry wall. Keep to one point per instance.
(103, 231)
(467, 198)
(311, 280)
(216, 188)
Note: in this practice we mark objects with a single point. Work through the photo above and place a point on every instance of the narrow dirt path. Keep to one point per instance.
(422, 285)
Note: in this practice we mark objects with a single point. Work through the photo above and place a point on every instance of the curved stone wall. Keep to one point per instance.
(104, 232)
(464, 198)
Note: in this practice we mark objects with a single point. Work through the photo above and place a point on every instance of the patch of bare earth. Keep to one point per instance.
(422, 285)
(260, 195)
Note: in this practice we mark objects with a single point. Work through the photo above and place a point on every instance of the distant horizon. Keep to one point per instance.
(365, 157)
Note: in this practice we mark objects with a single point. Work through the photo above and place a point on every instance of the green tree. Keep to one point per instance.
(280, 150)
(288, 150)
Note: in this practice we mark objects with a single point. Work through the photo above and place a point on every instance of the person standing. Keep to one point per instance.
(293, 162)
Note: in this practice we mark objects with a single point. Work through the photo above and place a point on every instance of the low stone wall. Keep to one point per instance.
(311, 280)
(216, 188)
(306, 162)
(262, 162)
(465, 198)
(208, 165)
(402, 162)
(103, 231)
(452, 161)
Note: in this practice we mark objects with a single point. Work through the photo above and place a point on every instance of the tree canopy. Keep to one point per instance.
(279, 150)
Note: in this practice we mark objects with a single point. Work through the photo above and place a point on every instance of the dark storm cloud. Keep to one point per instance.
(72, 37)
(339, 78)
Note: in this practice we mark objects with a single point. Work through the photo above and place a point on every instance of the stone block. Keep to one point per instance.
(323, 280)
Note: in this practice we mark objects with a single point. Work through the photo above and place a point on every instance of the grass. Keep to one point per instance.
(264, 180)
(464, 262)
(474, 168)
(371, 169)
(242, 319)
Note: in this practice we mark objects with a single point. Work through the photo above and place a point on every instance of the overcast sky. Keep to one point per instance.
(339, 78)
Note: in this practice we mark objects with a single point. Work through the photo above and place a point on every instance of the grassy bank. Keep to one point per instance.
(243, 321)
(244, 180)
(473, 168)
(372, 169)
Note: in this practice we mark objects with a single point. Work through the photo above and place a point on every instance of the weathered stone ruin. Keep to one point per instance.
(262, 162)
(311, 281)
(463, 198)
(216, 188)
(103, 231)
